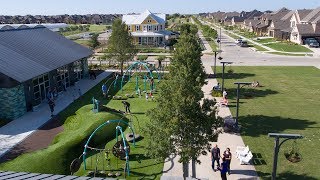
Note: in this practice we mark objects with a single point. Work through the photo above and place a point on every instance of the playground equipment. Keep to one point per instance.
(121, 149)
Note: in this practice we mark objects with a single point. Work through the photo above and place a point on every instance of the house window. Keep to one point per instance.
(161, 27)
(149, 20)
(295, 37)
(137, 27)
(129, 28)
(144, 28)
(155, 28)
(293, 24)
(149, 28)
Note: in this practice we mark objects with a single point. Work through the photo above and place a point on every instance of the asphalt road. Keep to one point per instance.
(241, 56)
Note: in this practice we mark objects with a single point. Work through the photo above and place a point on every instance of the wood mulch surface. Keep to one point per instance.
(40, 139)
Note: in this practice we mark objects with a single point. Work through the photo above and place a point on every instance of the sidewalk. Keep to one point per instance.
(173, 169)
(17, 130)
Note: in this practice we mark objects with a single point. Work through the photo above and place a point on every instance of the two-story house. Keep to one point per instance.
(305, 23)
(148, 28)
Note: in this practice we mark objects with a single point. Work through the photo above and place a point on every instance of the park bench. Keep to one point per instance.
(246, 159)
(242, 151)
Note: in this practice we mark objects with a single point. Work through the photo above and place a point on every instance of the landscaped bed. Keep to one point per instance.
(287, 102)
(288, 47)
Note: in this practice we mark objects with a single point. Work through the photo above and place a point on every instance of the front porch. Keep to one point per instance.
(149, 41)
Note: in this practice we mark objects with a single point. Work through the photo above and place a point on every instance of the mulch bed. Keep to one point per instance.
(40, 139)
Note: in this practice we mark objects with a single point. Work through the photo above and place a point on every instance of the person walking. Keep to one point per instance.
(126, 106)
(224, 94)
(215, 156)
(51, 105)
(104, 90)
(223, 169)
(227, 155)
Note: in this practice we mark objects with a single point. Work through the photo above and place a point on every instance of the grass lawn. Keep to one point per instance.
(288, 102)
(213, 45)
(79, 123)
(288, 54)
(97, 28)
(265, 40)
(286, 47)
(259, 48)
(83, 42)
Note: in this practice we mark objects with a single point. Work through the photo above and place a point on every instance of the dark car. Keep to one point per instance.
(243, 44)
(311, 42)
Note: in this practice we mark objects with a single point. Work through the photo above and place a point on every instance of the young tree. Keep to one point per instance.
(120, 44)
(179, 124)
(94, 41)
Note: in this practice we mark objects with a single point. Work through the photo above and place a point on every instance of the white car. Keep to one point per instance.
(238, 41)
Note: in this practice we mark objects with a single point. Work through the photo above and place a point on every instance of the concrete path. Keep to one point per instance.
(173, 169)
(207, 46)
(19, 129)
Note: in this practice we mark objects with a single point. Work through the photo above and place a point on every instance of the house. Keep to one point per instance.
(239, 21)
(250, 24)
(305, 23)
(33, 61)
(148, 28)
(280, 28)
(227, 19)
(261, 28)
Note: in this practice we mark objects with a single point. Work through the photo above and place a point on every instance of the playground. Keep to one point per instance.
(286, 102)
(83, 117)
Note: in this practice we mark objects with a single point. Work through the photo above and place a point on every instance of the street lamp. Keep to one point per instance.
(223, 67)
(215, 61)
(277, 146)
(238, 92)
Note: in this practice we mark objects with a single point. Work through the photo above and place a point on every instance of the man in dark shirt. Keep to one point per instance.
(215, 156)
(126, 106)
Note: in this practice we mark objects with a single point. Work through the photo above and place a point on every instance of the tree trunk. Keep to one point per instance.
(121, 67)
(185, 169)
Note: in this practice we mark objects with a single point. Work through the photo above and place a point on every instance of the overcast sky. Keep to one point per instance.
(52, 7)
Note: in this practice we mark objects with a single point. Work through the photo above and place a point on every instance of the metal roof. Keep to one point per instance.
(34, 176)
(27, 53)
(52, 27)
(139, 18)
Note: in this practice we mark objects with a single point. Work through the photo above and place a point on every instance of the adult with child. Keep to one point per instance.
(215, 156)
(51, 106)
(223, 168)
(227, 155)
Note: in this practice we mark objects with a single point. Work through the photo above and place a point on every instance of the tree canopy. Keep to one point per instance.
(180, 124)
(120, 44)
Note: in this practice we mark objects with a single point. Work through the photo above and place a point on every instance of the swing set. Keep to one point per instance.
(121, 150)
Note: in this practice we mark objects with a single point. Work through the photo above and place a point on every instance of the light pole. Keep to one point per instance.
(277, 146)
(238, 94)
(223, 67)
(215, 62)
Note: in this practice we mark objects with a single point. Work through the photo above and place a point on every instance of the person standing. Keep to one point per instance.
(215, 156)
(126, 106)
(224, 94)
(223, 169)
(104, 90)
(51, 105)
(227, 155)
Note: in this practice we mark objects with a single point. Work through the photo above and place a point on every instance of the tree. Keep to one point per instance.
(188, 29)
(179, 124)
(120, 44)
(94, 41)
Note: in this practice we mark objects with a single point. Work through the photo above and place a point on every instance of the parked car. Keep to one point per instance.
(311, 42)
(238, 41)
(243, 44)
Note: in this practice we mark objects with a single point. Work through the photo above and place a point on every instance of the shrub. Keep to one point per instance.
(142, 57)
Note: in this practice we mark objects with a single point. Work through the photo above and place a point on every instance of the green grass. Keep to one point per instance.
(265, 40)
(288, 102)
(288, 47)
(97, 28)
(140, 166)
(213, 45)
(259, 48)
(80, 122)
(83, 42)
(288, 54)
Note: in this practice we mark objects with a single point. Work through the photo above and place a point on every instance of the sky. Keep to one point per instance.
(54, 7)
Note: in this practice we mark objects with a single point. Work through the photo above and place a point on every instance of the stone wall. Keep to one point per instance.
(13, 103)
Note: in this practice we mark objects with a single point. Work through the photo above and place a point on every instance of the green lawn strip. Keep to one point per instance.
(97, 28)
(265, 40)
(68, 33)
(288, 54)
(213, 45)
(233, 35)
(288, 102)
(288, 47)
(259, 48)
(83, 42)
(79, 122)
